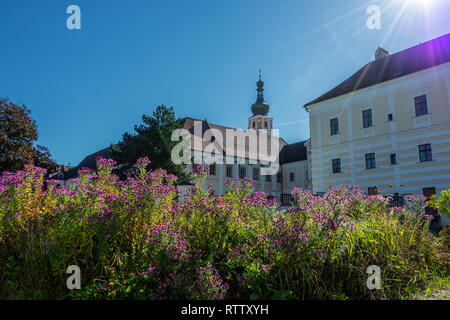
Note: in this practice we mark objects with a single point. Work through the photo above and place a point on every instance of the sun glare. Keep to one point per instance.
(424, 3)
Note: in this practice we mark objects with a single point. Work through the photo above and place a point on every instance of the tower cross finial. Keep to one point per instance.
(260, 74)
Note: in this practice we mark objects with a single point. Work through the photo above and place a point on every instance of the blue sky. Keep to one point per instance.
(86, 87)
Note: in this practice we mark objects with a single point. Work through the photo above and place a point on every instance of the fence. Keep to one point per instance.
(396, 201)
(286, 199)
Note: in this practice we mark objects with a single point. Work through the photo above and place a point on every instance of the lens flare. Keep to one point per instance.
(424, 3)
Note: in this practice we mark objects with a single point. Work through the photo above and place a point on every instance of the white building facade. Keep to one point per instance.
(292, 161)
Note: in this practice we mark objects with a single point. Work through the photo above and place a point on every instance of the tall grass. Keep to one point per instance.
(133, 240)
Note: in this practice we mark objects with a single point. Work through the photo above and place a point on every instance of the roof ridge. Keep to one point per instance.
(210, 123)
(392, 66)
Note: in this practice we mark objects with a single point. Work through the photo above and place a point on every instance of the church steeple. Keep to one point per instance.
(260, 89)
(260, 109)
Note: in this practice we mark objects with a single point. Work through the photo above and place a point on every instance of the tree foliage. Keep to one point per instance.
(152, 139)
(442, 203)
(18, 133)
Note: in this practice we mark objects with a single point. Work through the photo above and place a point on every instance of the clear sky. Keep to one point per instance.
(86, 87)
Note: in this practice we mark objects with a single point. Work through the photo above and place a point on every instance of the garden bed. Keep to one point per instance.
(133, 240)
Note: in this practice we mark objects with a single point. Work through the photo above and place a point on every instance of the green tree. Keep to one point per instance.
(152, 138)
(18, 133)
(442, 203)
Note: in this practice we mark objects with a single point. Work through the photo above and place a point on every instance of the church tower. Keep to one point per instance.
(260, 109)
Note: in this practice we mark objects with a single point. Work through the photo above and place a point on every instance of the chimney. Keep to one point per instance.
(380, 53)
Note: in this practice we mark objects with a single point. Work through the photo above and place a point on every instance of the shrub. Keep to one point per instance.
(132, 239)
(442, 203)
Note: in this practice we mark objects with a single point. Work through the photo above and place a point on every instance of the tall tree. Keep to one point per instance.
(18, 133)
(152, 138)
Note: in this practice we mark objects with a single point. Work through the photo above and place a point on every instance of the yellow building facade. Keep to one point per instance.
(388, 125)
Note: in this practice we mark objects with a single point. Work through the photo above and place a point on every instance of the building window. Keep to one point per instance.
(421, 106)
(425, 152)
(372, 190)
(255, 173)
(265, 124)
(367, 118)
(212, 169)
(390, 117)
(242, 172)
(336, 164)
(428, 192)
(254, 124)
(370, 160)
(291, 177)
(268, 178)
(334, 126)
(229, 171)
(279, 177)
(393, 158)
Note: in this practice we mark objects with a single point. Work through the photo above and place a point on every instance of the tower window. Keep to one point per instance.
(254, 124)
(212, 169)
(390, 117)
(268, 178)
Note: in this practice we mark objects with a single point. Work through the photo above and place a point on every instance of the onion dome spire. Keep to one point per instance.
(260, 107)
